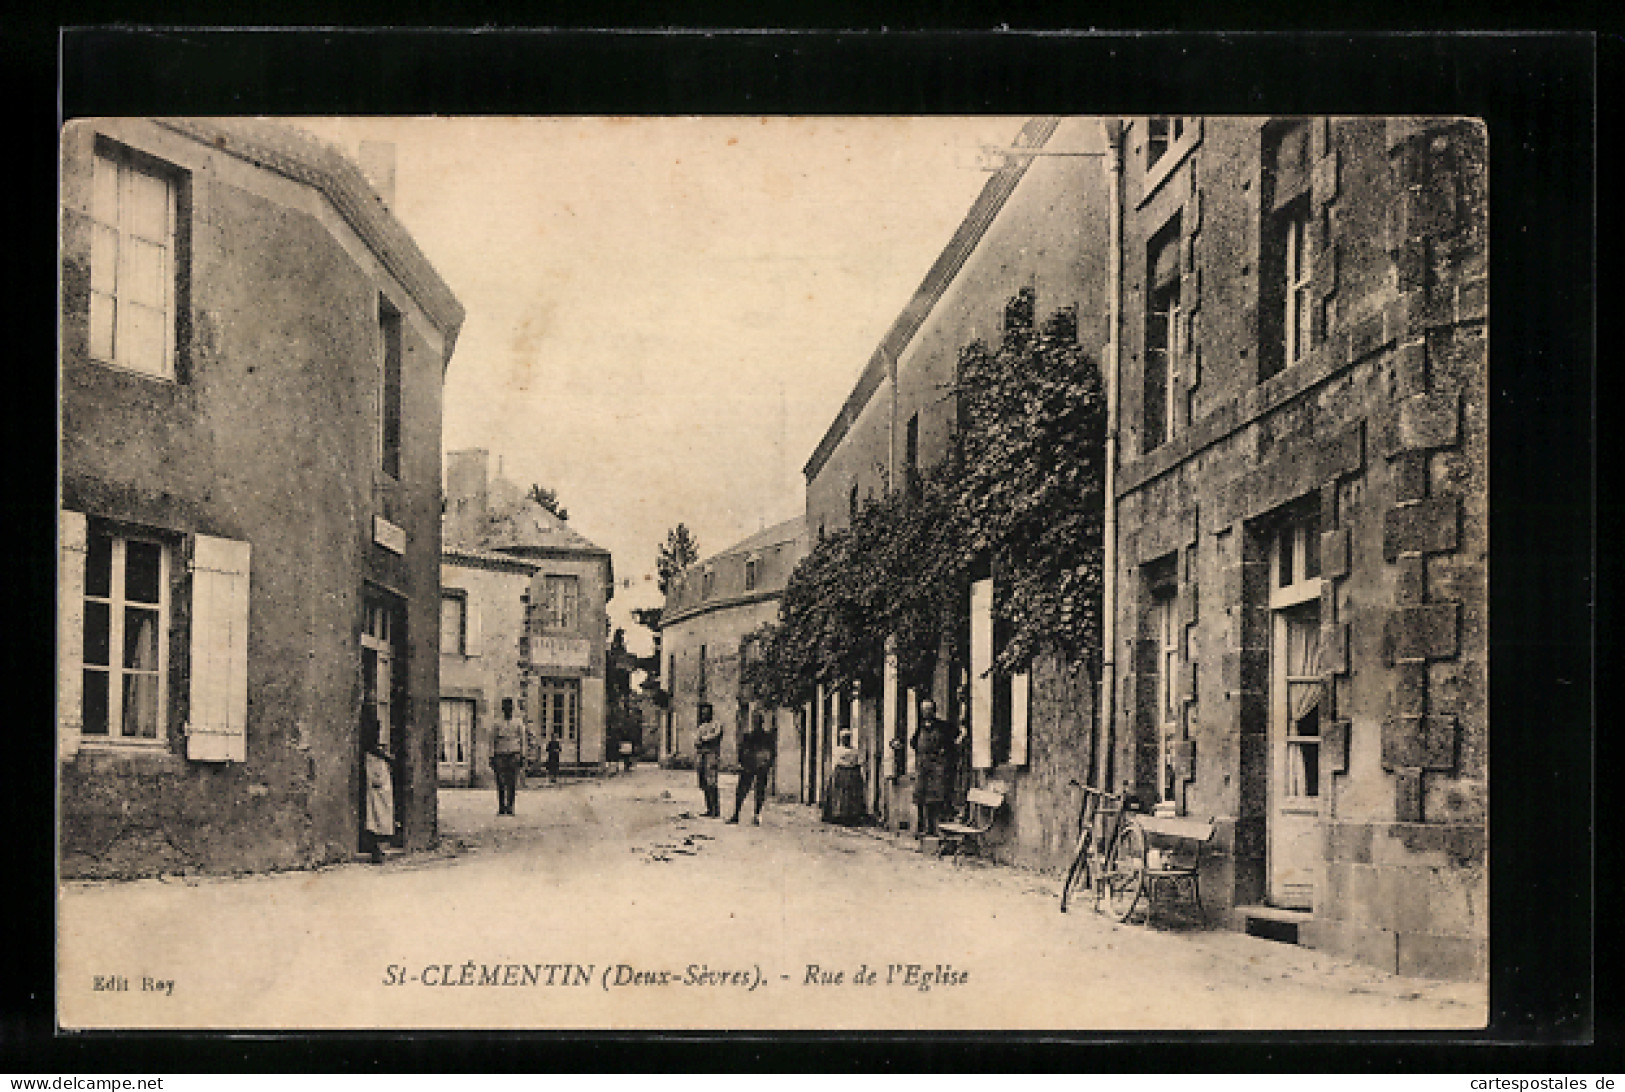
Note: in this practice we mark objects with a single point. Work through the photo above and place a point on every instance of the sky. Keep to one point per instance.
(664, 315)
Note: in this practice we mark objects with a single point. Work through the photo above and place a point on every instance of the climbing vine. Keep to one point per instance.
(1020, 498)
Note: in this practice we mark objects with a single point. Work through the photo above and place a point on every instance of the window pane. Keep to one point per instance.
(451, 625)
(101, 326)
(95, 703)
(141, 639)
(147, 214)
(143, 276)
(140, 707)
(97, 634)
(142, 568)
(1303, 768)
(104, 191)
(1311, 553)
(1284, 576)
(104, 259)
(142, 343)
(99, 566)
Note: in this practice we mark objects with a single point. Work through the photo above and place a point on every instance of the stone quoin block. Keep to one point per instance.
(1341, 454)
(1472, 301)
(1365, 335)
(1428, 632)
(1427, 743)
(1429, 421)
(1408, 795)
(1335, 748)
(1410, 580)
(1408, 689)
(1411, 368)
(1410, 476)
(1324, 177)
(1335, 551)
(1334, 648)
(1424, 527)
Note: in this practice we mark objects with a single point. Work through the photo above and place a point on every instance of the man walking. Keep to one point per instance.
(507, 749)
(755, 763)
(708, 761)
(553, 749)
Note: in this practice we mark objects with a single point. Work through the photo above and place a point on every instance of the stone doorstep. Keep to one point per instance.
(1271, 922)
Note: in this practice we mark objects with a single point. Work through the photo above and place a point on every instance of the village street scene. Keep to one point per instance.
(1017, 573)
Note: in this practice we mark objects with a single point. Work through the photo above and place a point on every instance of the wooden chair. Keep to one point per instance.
(982, 807)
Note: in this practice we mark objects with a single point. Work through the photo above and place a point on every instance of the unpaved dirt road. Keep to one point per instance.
(611, 905)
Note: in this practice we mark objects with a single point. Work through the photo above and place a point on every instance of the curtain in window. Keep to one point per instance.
(141, 682)
(1303, 666)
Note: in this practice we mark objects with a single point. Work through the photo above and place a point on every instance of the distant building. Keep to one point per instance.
(562, 643)
(252, 357)
(483, 600)
(710, 609)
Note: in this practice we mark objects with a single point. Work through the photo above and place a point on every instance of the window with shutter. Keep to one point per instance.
(70, 584)
(981, 673)
(218, 726)
(123, 650)
(132, 264)
(1020, 694)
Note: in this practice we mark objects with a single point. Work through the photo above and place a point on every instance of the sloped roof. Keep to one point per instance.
(302, 157)
(787, 531)
(938, 278)
(529, 526)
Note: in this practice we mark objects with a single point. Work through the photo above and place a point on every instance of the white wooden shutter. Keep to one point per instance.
(218, 728)
(888, 713)
(981, 674)
(70, 632)
(471, 627)
(1020, 691)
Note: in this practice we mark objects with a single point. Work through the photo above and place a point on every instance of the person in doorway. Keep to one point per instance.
(708, 761)
(755, 763)
(933, 745)
(380, 817)
(507, 751)
(843, 803)
(554, 746)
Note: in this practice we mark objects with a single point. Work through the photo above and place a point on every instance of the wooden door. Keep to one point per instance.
(1295, 701)
(456, 741)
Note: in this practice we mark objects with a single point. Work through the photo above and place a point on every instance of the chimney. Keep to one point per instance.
(467, 494)
(378, 164)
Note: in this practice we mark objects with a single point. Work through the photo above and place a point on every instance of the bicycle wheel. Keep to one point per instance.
(1125, 876)
(1077, 877)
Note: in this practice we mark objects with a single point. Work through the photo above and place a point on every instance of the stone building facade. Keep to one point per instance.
(710, 610)
(1301, 578)
(1039, 224)
(1291, 315)
(563, 630)
(252, 352)
(483, 595)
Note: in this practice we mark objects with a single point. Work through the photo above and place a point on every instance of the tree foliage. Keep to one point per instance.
(677, 553)
(548, 499)
(1020, 499)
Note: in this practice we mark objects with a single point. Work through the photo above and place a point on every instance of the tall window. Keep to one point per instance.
(1287, 258)
(751, 565)
(453, 625)
(389, 388)
(456, 730)
(1294, 598)
(132, 264)
(707, 583)
(701, 691)
(1161, 133)
(561, 606)
(126, 636)
(1296, 245)
(1165, 632)
(1162, 317)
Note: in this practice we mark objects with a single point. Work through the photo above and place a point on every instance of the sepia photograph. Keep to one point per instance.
(773, 572)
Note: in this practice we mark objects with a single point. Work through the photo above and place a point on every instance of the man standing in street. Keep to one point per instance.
(506, 750)
(934, 751)
(708, 761)
(553, 748)
(755, 763)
